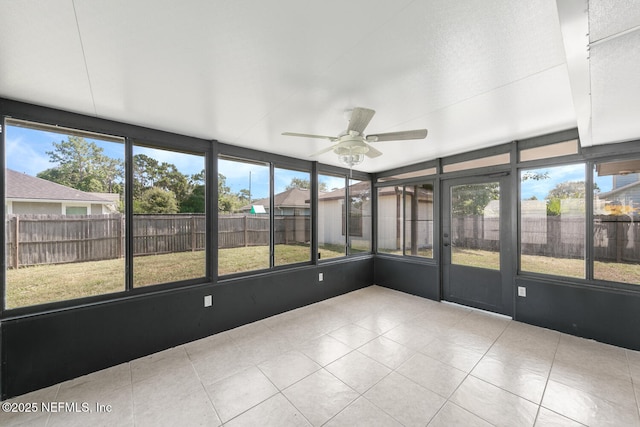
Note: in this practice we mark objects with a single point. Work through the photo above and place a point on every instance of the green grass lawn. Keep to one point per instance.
(425, 253)
(49, 283)
(611, 271)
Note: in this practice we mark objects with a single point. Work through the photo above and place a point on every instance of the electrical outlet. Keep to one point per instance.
(320, 277)
(208, 300)
(522, 291)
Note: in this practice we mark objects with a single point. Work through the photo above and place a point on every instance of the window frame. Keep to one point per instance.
(591, 165)
(43, 118)
(273, 161)
(333, 174)
(294, 168)
(349, 175)
(403, 185)
(588, 156)
(587, 258)
(129, 180)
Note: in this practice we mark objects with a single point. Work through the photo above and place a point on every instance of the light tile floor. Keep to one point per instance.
(373, 357)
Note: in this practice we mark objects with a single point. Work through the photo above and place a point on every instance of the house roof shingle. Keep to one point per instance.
(292, 198)
(27, 187)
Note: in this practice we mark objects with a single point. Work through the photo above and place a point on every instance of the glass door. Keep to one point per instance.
(475, 244)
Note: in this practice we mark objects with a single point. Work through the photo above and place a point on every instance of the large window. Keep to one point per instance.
(64, 214)
(552, 220)
(418, 220)
(243, 216)
(405, 220)
(616, 212)
(169, 223)
(332, 241)
(359, 216)
(390, 219)
(292, 216)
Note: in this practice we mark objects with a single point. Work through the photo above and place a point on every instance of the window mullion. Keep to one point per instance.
(128, 208)
(589, 241)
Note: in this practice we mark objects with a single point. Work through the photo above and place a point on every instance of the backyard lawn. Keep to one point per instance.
(615, 272)
(49, 283)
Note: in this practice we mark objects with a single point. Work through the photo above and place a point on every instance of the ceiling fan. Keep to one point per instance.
(352, 145)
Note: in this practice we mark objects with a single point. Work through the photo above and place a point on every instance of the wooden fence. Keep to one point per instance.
(57, 239)
(616, 238)
(244, 230)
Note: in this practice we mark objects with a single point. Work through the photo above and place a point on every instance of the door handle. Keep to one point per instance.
(446, 244)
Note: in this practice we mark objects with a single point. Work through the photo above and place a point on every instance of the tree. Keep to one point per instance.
(304, 184)
(535, 176)
(84, 166)
(473, 199)
(568, 190)
(244, 196)
(171, 179)
(227, 201)
(156, 200)
(145, 173)
(562, 191)
(196, 202)
(148, 173)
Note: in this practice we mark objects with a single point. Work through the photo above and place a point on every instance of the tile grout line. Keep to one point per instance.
(361, 395)
(599, 375)
(54, 398)
(546, 383)
(468, 374)
(133, 402)
(215, 410)
(633, 384)
(395, 370)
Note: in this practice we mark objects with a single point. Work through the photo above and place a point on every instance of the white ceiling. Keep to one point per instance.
(476, 73)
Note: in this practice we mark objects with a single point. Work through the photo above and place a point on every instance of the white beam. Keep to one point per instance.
(574, 25)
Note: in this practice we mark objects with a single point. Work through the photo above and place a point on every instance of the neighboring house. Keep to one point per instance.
(292, 202)
(292, 214)
(26, 194)
(391, 227)
(332, 216)
(625, 192)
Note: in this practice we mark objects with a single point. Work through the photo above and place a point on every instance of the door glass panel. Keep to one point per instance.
(475, 225)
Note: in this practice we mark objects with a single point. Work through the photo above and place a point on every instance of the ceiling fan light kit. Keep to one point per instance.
(352, 146)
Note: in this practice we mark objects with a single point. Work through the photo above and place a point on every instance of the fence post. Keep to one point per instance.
(619, 239)
(286, 230)
(193, 233)
(16, 244)
(120, 236)
(246, 240)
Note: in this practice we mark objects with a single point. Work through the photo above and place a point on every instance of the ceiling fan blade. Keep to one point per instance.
(398, 136)
(307, 135)
(325, 150)
(372, 153)
(360, 118)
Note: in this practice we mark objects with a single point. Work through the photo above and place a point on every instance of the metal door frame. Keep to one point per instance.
(506, 245)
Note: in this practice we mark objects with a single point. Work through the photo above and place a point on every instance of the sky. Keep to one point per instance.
(26, 152)
(558, 174)
(238, 173)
